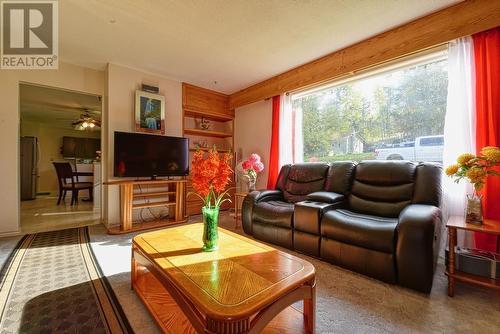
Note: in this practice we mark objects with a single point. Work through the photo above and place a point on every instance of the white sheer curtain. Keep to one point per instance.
(291, 139)
(298, 138)
(460, 126)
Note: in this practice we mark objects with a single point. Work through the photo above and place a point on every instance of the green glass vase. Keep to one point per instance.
(210, 232)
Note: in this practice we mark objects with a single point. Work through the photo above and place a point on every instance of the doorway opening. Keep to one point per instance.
(60, 163)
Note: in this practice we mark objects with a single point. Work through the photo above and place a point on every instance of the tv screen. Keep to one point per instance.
(144, 155)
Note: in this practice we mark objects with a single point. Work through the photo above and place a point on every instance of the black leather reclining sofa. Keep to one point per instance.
(378, 218)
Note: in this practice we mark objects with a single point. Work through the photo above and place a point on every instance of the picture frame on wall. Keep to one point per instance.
(149, 112)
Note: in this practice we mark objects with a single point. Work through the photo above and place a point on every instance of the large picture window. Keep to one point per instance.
(397, 114)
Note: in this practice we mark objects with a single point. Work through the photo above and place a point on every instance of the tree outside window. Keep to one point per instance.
(396, 115)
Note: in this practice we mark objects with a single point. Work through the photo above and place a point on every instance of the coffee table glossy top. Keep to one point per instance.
(237, 280)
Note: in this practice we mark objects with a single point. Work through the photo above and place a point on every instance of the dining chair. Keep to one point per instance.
(67, 180)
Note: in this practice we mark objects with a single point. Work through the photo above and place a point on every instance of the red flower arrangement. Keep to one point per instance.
(210, 176)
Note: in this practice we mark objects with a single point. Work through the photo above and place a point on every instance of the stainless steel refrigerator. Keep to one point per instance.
(29, 167)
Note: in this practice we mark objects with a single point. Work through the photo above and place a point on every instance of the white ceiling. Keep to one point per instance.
(56, 107)
(234, 42)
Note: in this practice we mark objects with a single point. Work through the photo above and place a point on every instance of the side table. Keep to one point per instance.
(455, 223)
(238, 202)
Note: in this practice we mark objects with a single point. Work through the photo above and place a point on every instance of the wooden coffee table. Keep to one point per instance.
(244, 287)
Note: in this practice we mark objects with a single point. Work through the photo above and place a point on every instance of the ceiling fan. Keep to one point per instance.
(86, 122)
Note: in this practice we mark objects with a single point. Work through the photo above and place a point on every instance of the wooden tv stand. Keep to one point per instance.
(174, 197)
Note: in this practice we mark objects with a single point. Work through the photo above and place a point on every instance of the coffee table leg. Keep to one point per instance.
(133, 270)
(310, 310)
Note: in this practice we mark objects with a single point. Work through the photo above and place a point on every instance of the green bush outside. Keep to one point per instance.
(344, 157)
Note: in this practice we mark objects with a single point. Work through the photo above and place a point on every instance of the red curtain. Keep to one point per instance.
(487, 63)
(274, 154)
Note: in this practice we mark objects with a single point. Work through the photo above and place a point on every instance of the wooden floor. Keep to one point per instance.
(117, 229)
(43, 214)
(159, 302)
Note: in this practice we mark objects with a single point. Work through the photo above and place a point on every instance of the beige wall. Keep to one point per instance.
(68, 77)
(122, 82)
(252, 134)
(117, 85)
(50, 140)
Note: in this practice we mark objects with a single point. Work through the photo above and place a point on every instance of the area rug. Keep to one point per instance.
(53, 284)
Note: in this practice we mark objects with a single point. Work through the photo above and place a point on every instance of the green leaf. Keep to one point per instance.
(204, 199)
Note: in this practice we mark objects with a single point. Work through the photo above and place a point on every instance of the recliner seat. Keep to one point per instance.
(379, 218)
(273, 218)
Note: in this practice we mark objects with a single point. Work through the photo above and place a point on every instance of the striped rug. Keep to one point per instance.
(53, 284)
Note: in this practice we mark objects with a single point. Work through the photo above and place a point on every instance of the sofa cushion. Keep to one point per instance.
(282, 177)
(277, 213)
(339, 177)
(428, 184)
(385, 173)
(304, 179)
(365, 231)
(382, 188)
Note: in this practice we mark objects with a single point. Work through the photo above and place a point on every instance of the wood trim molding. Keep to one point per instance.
(10, 233)
(462, 19)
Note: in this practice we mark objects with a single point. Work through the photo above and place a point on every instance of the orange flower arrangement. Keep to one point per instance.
(210, 176)
(476, 168)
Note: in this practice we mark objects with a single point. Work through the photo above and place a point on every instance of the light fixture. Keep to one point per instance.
(86, 122)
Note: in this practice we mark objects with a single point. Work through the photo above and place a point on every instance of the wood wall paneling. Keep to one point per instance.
(204, 100)
(462, 19)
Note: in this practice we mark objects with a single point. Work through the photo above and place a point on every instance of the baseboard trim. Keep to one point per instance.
(10, 234)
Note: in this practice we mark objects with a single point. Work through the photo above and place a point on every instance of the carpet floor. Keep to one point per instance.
(346, 302)
(52, 284)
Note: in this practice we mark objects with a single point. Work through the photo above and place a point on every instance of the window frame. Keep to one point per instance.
(437, 54)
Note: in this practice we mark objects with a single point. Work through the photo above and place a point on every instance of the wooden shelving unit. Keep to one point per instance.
(154, 194)
(198, 103)
(208, 115)
(208, 133)
(131, 192)
(454, 223)
(152, 205)
(206, 149)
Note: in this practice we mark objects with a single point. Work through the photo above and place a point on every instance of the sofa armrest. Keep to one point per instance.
(418, 233)
(253, 198)
(265, 195)
(326, 197)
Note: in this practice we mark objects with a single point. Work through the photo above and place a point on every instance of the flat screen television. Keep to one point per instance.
(144, 155)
